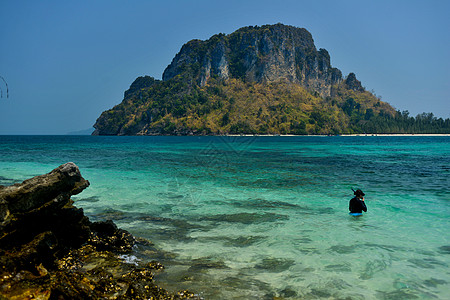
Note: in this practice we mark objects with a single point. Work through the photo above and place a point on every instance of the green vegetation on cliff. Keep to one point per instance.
(237, 107)
(257, 80)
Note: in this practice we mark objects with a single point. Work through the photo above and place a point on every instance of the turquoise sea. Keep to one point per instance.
(267, 217)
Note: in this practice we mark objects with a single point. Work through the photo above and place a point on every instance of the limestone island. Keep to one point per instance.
(258, 80)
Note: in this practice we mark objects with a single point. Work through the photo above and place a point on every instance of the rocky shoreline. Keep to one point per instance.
(50, 250)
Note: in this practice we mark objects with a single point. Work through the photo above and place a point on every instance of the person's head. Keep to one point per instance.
(358, 193)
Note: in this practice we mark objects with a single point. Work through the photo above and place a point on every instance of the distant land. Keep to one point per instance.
(257, 80)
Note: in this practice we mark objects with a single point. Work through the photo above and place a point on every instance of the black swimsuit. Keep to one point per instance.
(357, 206)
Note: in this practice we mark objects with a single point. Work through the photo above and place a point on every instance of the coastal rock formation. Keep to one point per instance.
(353, 84)
(270, 53)
(50, 250)
(257, 80)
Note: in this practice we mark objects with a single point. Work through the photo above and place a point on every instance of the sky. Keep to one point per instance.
(65, 62)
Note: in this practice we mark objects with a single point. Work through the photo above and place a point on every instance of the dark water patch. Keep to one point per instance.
(162, 229)
(394, 208)
(426, 252)
(146, 251)
(162, 234)
(177, 276)
(206, 263)
(286, 293)
(373, 267)
(170, 195)
(329, 290)
(264, 204)
(212, 239)
(91, 199)
(306, 210)
(239, 286)
(110, 214)
(8, 181)
(168, 228)
(247, 287)
(324, 210)
(426, 263)
(133, 207)
(397, 295)
(341, 249)
(236, 282)
(388, 248)
(179, 224)
(165, 208)
(309, 250)
(338, 268)
(275, 265)
(308, 270)
(319, 293)
(424, 174)
(408, 284)
(338, 284)
(245, 218)
(433, 282)
(444, 249)
(304, 240)
(154, 219)
(244, 241)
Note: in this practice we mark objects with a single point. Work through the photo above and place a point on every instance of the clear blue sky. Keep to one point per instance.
(67, 61)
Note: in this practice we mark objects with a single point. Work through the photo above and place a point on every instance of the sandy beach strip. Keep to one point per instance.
(347, 135)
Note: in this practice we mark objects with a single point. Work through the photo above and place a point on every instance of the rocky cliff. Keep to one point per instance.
(270, 53)
(256, 80)
(50, 250)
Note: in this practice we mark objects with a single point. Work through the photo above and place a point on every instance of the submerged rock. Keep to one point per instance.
(275, 265)
(50, 250)
(245, 218)
(444, 249)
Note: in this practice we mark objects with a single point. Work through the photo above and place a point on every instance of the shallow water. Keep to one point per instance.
(257, 218)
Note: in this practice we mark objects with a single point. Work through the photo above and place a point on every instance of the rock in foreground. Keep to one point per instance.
(50, 250)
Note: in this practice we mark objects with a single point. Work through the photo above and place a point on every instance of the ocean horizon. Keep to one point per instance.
(260, 217)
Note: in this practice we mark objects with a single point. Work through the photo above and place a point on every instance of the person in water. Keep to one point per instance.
(357, 205)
